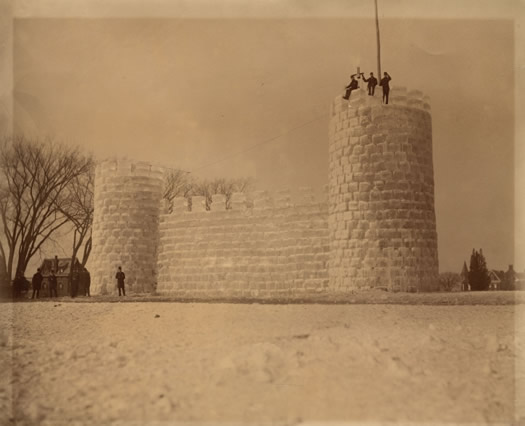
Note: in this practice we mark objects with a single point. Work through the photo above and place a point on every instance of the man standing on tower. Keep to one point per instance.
(386, 87)
(372, 83)
(120, 276)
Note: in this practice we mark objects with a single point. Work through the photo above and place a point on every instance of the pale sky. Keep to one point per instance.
(246, 96)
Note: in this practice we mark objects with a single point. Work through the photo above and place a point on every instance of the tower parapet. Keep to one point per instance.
(381, 193)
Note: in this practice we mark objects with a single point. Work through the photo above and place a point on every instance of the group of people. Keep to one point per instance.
(19, 284)
(38, 278)
(36, 283)
(371, 84)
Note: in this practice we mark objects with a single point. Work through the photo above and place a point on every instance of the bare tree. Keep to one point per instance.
(4, 281)
(35, 179)
(206, 188)
(227, 187)
(181, 184)
(448, 281)
(78, 207)
(178, 183)
(243, 184)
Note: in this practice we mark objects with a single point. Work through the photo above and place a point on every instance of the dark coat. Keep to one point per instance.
(353, 85)
(120, 276)
(36, 282)
(52, 281)
(384, 83)
(372, 81)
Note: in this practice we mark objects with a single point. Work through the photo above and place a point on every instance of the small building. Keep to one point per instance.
(62, 268)
(497, 279)
(514, 280)
(507, 280)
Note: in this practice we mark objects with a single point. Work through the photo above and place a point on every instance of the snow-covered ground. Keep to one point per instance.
(100, 363)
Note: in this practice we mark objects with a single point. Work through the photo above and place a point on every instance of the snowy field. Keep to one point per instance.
(143, 363)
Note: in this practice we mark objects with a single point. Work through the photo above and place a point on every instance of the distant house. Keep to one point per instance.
(499, 280)
(515, 280)
(507, 280)
(496, 279)
(62, 268)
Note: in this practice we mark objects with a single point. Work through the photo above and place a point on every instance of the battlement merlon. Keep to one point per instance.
(399, 96)
(122, 166)
(255, 200)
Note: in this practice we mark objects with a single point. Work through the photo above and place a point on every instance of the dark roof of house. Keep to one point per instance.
(496, 275)
(64, 266)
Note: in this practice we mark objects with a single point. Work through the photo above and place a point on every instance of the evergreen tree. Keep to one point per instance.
(464, 277)
(478, 275)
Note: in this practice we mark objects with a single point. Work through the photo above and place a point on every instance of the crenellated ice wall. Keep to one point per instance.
(263, 245)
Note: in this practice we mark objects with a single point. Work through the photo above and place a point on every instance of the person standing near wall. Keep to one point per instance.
(52, 284)
(120, 276)
(385, 84)
(36, 282)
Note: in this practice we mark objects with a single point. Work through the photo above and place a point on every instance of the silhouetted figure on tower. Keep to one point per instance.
(372, 83)
(386, 87)
(353, 85)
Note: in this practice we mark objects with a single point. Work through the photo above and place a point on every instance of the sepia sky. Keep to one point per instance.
(250, 97)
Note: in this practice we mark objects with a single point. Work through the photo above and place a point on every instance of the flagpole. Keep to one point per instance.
(378, 44)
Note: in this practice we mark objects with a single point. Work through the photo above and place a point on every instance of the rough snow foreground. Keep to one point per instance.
(100, 363)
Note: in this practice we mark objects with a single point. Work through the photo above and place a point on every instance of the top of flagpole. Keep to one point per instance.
(378, 43)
